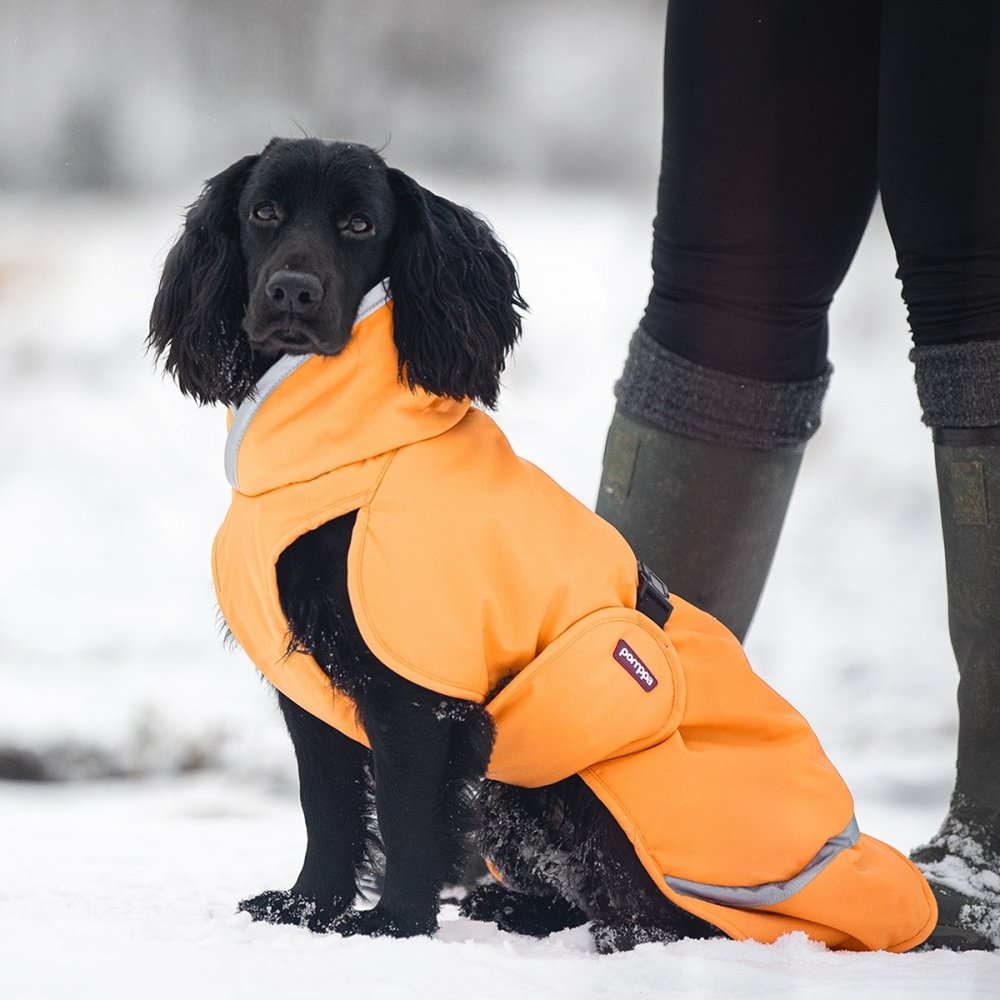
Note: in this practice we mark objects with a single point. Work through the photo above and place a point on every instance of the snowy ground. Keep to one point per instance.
(122, 883)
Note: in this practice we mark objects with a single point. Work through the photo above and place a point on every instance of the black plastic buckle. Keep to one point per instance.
(653, 598)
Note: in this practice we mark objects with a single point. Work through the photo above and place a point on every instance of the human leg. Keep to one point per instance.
(962, 860)
(939, 152)
(767, 182)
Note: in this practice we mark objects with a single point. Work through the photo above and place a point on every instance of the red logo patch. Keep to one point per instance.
(627, 657)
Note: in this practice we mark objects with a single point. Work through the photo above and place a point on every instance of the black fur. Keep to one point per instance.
(428, 754)
(454, 287)
(274, 258)
(566, 860)
(198, 312)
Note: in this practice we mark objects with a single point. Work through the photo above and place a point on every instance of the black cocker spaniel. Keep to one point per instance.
(274, 259)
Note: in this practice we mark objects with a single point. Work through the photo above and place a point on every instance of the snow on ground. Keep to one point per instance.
(122, 883)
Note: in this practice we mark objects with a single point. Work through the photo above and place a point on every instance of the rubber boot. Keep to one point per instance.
(962, 861)
(706, 517)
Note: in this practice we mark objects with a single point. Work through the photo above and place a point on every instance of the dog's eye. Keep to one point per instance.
(358, 225)
(264, 211)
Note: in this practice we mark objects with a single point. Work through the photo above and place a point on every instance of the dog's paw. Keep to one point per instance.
(623, 935)
(282, 907)
(381, 923)
(520, 913)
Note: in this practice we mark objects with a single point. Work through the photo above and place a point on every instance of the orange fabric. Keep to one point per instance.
(468, 566)
(870, 898)
(460, 496)
(574, 701)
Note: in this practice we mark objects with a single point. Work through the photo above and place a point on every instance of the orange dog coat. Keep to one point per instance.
(469, 566)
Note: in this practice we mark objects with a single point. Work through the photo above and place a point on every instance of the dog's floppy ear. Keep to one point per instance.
(202, 297)
(455, 296)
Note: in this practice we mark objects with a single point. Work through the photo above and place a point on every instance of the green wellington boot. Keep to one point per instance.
(706, 517)
(962, 861)
(698, 471)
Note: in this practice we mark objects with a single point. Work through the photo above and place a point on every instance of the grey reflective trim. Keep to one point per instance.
(373, 299)
(243, 414)
(247, 410)
(770, 893)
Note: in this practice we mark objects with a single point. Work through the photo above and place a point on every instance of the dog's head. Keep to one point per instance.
(278, 251)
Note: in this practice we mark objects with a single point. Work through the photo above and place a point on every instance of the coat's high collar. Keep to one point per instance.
(312, 413)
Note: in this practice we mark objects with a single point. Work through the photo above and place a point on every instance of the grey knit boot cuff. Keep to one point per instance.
(959, 384)
(682, 397)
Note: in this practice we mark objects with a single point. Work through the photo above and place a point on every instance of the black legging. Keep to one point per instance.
(782, 119)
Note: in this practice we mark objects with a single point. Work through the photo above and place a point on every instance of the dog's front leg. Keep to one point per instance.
(333, 794)
(429, 754)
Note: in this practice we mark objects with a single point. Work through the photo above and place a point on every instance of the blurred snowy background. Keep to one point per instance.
(156, 784)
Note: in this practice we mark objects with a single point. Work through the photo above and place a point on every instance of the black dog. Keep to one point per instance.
(274, 259)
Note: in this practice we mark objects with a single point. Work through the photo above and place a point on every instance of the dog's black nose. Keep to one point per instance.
(294, 290)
